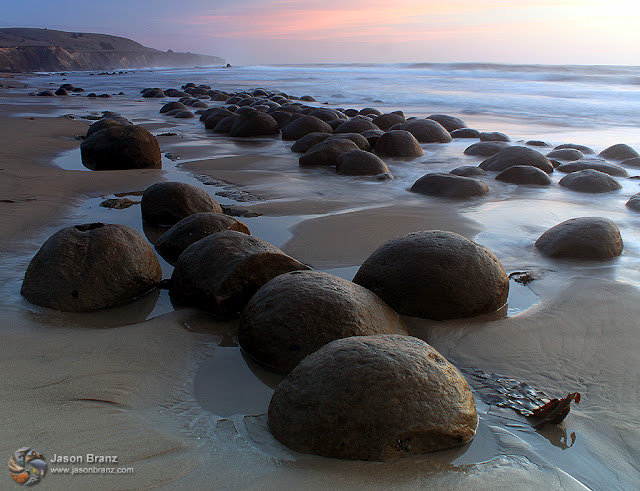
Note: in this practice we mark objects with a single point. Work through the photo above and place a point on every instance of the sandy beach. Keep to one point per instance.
(171, 394)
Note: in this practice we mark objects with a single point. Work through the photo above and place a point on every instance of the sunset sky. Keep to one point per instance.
(310, 31)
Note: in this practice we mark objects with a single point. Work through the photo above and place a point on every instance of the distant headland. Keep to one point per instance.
(48, 50)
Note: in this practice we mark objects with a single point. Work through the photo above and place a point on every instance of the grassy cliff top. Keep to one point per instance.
(82, 42)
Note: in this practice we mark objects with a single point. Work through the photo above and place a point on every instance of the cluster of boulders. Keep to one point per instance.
(68, 89)
(340, 343)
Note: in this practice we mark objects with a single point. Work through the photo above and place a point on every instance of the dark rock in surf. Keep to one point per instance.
(91, 267)
(449, 186)
(582, 238)
(297, 313)
(166, 203)
(221, 272)
(435, 275)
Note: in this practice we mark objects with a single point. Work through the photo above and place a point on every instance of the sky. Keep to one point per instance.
(246, 32)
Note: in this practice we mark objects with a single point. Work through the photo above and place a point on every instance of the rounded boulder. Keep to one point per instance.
(620, 151)
(193, 228)
(435, 275)
(221, 272)
(398, 143)
(426, 130)
(590, 181)
(90, 267)
(516, 155)
(373, 398)
(582, 238)
(360, 163)
(449, 186)
(121, 147)
(304, 125)
(524, 174)
(166, 203)
(297, 313)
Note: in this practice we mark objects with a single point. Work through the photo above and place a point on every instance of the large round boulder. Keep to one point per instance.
(426, 130)
(494, 136)
(435, 275)
(582, 238)
(634, 202)
(590, 181)
(449, 186)
(516, 155)
(356, 125)
(620, 151)
(193, 228)
(221, 272)
(215, 116)
(297, 313)
(360, 163)
(583, 148)
(304, 125)
(308, 141)
(255, 123)
(373, 398)
(565, 154)
(386, 121)
(398, 143)
(166, 203)
(465, 133)
(357, 138)
(326, 153)
(632, 162)
(468, 171)
(485, 149)
(169, 106)
(596, 164)
(450, 123)
(524, 174)
(120, 147)
(106, 122)
(89, 267)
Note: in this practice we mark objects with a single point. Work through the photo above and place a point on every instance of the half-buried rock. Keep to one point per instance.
(360, 163)
(398, 143)
(516, 155)
(326, 153)
(582, 238)
(221, 272)
(297, 313)
(91, 267)
(435, 275)
(449, 186)
(193, 228)
(373, 398)
(166, 203)
(121, 147)
(524, 174)
(425, 130)
(590, 181)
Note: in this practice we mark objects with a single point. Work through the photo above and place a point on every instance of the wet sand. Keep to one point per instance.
(173, 396)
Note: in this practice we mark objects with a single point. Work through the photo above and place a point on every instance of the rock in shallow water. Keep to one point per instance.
(360, 163)
(166, 203)
(373, 398)
(398, 143)
(524, 174)
(297, 313)
(516, 155)
(193, 228)
(91, 267)
(435, 275)
(590, 181)
(221, 272)
(121, 147)
(582, 238)
(620, 151)
(449, 186)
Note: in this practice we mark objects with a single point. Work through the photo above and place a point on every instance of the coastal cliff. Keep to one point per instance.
(35, 50)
